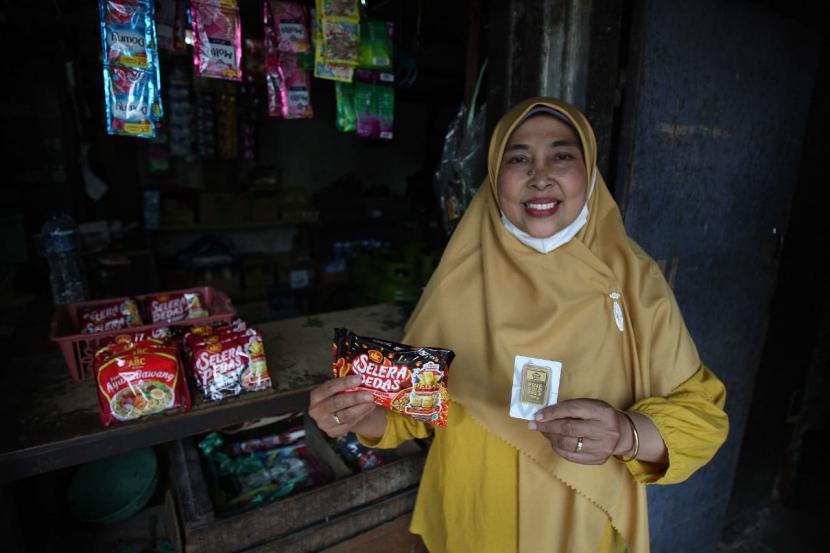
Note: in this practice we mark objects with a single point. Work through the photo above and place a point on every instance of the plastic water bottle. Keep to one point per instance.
(66, 275)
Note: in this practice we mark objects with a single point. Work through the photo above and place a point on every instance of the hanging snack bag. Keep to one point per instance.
(346, 119)
(127, 33)
(365, 104)
(217, 39)
(404, 379)
(158, 110)
(113, 315)
(129, 39)
(140, 380)
(322, 68)
(385, 93)
(375, 49)
(289, 88)
(129, 95)
(168, 308)
(374, 99)
(291, 27)
(340, 41)
(345, 9)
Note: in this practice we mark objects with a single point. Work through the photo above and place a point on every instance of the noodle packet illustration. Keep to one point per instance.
(217, 39)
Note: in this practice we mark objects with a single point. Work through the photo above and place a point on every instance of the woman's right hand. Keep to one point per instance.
(337, 414)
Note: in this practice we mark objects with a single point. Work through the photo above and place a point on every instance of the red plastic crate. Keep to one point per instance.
(78, 349)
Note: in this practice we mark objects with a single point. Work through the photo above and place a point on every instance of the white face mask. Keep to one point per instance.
(547, 245)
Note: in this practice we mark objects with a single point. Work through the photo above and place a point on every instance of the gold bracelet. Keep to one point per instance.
(623, 458)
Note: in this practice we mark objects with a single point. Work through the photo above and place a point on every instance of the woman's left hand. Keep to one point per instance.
(586, 431)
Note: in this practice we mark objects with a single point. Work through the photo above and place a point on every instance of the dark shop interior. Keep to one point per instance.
(185, 180)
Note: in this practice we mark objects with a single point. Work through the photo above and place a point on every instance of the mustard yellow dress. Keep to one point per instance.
(470, 496)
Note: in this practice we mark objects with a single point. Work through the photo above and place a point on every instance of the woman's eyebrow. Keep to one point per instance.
(516, 147)
(565, 142)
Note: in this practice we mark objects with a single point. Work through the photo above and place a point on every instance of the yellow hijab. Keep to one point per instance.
(492, 298)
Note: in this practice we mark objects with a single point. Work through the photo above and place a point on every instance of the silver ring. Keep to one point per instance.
(530, 172)
(579, 444)
(336, 418)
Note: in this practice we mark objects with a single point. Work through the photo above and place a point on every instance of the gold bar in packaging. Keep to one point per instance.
(536, 384)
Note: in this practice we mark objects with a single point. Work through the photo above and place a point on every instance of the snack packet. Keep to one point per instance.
(324, 69)
(127, 33)
(375, 49)
(129, 96)
(404, 379)
(340, 41)
(291, 27)
(141, 380)
(217, 39)
(129, 39)
(346, 117)
(289, 88)
(345, 9)
(374, 100)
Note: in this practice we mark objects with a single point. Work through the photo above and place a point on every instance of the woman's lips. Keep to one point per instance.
(541, 208)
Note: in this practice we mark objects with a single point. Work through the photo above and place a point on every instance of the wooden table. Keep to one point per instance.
(50, 421)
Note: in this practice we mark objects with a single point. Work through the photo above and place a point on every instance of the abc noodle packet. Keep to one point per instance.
(404, 379)
(138, 378)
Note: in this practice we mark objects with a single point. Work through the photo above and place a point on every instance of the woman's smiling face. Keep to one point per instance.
(542, 180)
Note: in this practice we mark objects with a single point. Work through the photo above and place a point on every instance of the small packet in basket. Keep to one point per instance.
(168, 308)
(114, 315)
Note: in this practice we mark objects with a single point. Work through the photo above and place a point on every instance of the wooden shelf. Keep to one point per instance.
(52, 421)
(229, 226)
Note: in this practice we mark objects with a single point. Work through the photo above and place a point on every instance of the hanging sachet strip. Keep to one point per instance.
(217, 39)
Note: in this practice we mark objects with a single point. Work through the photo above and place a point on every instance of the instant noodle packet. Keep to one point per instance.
(122, 344)
(404, 379)
(225, 366)
(140, 381)
(113, 315)
(199, 334)
(217, 39)
(168, 308)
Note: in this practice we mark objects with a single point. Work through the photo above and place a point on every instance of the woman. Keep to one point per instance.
(541, 266)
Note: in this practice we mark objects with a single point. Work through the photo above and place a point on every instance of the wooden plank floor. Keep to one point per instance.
(391, 537)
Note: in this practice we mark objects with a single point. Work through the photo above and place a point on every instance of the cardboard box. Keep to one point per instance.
(224, 208)
(264, 208)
